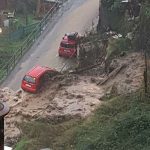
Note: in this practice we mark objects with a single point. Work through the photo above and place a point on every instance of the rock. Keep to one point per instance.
(127, 75)
(93, 80)
(5, 100)
(101, 98)
(15, 99)
(70, 96)
(79, 96)
(59, 78)
(60, 108)
(26, 114)
(71, 102)
(1, 96)
(66, 82)
(18, 93)
(51, 107)
(113, 91)
(66, 93)
(18, 112)
(79, 109)
(24, 104)
(75, 77)
(59, 85)
(128, 81)
(92, 104)
(114, 64)
(122, 54)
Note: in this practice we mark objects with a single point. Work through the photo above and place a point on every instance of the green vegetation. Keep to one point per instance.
(119, 19)
(117, 46)
(13, 38)
(41, 134)
(114, 12)
(142, 34)
(120, 123)
(19, 37)
(23, 144)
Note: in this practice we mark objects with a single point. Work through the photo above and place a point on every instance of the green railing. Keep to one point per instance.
(29, 41)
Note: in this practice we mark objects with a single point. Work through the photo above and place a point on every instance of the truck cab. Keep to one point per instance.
(68, 45)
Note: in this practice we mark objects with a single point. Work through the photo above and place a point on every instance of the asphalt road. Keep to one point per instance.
(75, 15)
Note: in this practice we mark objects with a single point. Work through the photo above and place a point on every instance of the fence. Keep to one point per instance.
(21, 32)
(29, 41)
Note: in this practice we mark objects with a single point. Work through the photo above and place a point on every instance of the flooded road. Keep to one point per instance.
(75, 15)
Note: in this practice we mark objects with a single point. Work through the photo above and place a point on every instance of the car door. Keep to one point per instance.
(52, 73)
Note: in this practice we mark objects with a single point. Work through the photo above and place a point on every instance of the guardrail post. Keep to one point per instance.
(145, 74)
(14, 60)
(1, 133)
(40, 27)
(7, 69)
(4, 110)
(21, 50)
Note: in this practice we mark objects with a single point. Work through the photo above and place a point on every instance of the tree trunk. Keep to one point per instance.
(38, 6)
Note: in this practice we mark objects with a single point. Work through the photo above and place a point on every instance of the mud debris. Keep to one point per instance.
(70, 96)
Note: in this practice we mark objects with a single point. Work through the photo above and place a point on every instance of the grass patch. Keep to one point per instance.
(117, 46)
(7, 50)
(43, 135)
(8, 44)
(22, 144)
(27, 20)
(122, 123)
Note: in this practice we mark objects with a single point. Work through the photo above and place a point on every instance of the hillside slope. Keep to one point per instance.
(70, 96)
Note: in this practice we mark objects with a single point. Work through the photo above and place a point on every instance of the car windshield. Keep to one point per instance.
(29, 79)
(72, 37)
(67, 45)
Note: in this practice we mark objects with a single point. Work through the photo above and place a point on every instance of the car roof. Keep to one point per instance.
(67, 41)
(37, 71)
(71, 34)
(66, 38)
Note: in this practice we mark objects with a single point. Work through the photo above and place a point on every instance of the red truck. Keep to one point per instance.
(68, 45)
(34, 79)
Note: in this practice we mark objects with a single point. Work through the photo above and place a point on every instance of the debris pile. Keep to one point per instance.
(71, 95)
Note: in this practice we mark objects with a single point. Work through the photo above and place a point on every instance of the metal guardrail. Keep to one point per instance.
(29, 41)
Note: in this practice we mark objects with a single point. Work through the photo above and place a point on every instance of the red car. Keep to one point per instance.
(68, 45)
(35, 78)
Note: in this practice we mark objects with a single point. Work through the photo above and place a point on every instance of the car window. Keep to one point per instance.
(72, 37)
(52, 73)
(67, 45)
(45, 77)
(29, 79)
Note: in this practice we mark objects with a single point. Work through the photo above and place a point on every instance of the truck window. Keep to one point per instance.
(29, 79)
(67, 45)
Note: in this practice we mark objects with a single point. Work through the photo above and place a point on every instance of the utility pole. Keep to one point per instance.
(38, 6)
(145, 72)
(4, 110)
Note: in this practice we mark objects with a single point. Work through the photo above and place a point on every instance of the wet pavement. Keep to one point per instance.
(75, 15)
